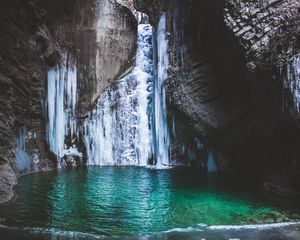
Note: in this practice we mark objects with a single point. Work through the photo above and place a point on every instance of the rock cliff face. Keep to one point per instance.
(268, 30)
(224, 78)
(26, 48)
(35, 34)
(103, 35)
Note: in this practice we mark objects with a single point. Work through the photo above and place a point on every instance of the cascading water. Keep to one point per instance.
(160, 112)
(117, 132)
(61, 102)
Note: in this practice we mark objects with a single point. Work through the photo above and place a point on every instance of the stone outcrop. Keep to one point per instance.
(8, 180)
(128, 4)
(34, 36)
(151, 8)
(226, 83)
(268, 29)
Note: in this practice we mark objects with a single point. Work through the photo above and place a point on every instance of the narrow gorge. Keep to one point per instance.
(150, 119)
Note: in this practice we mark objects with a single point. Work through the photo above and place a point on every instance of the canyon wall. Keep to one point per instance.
(225, 86)
(26, 48)
(35, 35)
(224, 77)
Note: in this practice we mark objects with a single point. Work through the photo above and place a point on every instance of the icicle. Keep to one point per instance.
(62, 99)
(291, 80)
(211, 163)
(71, 95)
(23, 160)
(161, 129)
(55, 110)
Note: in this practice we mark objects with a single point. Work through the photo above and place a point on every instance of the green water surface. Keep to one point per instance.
(115, 201)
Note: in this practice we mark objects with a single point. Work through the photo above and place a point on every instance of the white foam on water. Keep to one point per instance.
(56, 232)
(189, 229)
(253, 226)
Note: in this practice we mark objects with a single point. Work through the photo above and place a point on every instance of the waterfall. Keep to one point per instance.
(291, 81)
(118, 130)
(61, 102)
(128, 125)
(160, 112)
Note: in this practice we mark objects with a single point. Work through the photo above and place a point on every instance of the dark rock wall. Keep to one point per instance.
(26, 46)
(267, 29)
(226, 82)
(34, 36)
